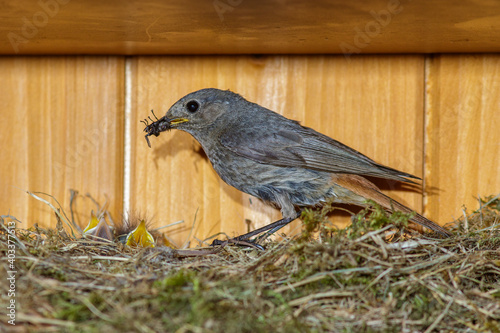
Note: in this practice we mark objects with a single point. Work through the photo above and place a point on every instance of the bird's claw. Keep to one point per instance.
(244, 243)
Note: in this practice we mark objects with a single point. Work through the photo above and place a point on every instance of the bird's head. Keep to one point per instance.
(197, 111)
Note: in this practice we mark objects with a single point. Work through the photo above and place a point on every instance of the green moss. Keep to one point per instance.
(324, 281)
(54, 273)
(375, 218)
(69, 308)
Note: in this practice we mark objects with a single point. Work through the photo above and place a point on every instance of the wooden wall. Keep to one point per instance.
(145, 27)
(63, 125)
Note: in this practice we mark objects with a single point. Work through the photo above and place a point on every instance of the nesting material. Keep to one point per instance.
(372, 276)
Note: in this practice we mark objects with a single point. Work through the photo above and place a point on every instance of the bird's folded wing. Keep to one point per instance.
(305, 148)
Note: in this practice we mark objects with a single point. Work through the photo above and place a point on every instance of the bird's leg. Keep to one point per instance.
(268, 229)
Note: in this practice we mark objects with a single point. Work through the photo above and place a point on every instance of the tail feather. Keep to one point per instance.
(366, 189)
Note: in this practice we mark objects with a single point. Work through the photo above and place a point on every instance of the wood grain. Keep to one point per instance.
(462, 158)
(248, 27)
(61, 129)
(373, 104)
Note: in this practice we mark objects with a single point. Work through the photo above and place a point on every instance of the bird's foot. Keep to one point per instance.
(244, 243)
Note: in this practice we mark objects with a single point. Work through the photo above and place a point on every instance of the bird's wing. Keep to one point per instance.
(298, 146)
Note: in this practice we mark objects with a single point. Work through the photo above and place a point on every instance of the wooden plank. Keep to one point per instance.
(249, 27)
(61, 129)
(462, 135)
(373, 104)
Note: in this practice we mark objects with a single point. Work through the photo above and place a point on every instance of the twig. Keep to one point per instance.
(169, 225)
(97, 257)
(40, 320)
(191, 230)
(58, 213)
(371, 233)
(308, 298)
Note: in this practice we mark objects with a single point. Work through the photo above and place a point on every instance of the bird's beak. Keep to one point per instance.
(98, 229)
(140, 237)
(177, 121)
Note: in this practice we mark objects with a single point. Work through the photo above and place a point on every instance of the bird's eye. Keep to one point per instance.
(192, 106)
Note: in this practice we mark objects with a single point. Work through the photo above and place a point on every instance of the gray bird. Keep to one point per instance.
(276, 159)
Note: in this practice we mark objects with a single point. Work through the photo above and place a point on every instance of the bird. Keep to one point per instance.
(278, 160)
(98, 229)
(140, 236)
(132, 232)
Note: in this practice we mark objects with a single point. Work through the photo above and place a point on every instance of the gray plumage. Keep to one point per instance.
(276, 159)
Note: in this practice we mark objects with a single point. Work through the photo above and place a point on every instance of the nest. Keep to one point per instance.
(374, 275)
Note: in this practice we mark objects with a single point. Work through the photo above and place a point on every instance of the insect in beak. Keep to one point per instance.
(157, 126)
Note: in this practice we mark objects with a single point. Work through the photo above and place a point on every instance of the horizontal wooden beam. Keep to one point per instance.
(249, 27)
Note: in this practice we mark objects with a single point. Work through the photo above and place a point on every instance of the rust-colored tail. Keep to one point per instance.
(366, 189)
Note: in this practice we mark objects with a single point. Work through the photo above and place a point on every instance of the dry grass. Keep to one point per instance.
(370, 277)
